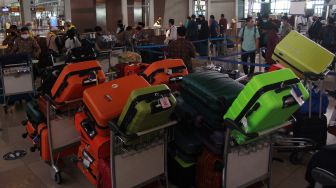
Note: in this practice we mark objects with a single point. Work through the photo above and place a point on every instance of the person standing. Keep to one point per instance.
(171, 33)
(328, 36)
(249, 38)
(223, 25)
(286, 27)
(26, 45)
(203, 35)
(272, 40)
(182, 48)
(11, 37)
(192, 29)
(315, 29)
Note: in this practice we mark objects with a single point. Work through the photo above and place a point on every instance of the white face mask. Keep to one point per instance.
(24, 36)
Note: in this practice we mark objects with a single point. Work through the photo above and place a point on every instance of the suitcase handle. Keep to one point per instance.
(232, 125)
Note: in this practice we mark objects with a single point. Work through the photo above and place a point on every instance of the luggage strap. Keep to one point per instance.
(174, 70)
(132, 111)
(261, 91)
(65, 83)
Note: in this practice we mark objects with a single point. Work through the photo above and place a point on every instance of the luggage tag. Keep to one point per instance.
(164, 101)
(169, 71)
(35, 139)
(297, 94)
(86, 163)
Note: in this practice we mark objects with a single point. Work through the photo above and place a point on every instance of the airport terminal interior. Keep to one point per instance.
(167, 93)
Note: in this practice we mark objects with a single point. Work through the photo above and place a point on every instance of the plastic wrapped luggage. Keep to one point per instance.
(74, 79)
(267, 101)
(210, 93)
(146, 108)
(105, 102)
(301, 54)
(165, 71)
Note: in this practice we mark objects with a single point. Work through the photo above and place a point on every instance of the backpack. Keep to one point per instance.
(242, 37)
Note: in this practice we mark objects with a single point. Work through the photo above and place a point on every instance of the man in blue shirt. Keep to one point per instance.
(249, 38)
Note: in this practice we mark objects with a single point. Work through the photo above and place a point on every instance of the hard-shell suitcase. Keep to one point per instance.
(301, 54)
(146, 108)
(267, 101)
(314, 128)
(180, 173)
(74, 79)
(93, 147)
(210, 93)
(165, 71)
(33, 113)
(135, 68)
(105, 102)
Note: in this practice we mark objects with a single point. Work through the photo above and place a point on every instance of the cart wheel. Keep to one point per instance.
(58, 177)
(296, 157)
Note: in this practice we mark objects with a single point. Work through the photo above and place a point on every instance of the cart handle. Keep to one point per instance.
(48, 98)
(113, 127)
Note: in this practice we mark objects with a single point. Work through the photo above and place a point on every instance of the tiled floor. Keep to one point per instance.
(30, 171)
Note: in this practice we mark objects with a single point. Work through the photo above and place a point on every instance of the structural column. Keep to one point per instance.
(26, 15)
(67, 9)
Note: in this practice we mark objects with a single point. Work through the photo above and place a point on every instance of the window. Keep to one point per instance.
(277, 6)
(317, 5)
(200, 7)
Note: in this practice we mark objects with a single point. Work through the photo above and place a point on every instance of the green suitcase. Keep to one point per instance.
(266, 102)
(145, 109)
(301, 54)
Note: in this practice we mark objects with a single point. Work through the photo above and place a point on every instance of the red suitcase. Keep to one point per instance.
(105, 102)
(74, 79)
(135, 68)
(104, 174)
(165, 71)
(209, 170)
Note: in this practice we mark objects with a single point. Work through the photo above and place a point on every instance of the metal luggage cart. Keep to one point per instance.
(61, 132)
(17, 77)
(141, 158)
(247, 156)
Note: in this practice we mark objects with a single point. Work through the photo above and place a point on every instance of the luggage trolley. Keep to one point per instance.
(62, 134)
(146, 158)
(17, 77)
(259, 152)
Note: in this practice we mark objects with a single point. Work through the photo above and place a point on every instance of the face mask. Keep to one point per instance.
(24, 36)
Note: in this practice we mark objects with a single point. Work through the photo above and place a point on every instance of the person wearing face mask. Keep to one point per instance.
(26, 44)
(10, 38)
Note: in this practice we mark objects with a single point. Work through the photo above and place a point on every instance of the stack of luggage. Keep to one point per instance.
(217, 102)
(69, 86)
(131, 104)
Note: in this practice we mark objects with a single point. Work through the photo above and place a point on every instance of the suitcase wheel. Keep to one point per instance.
(24, 135)
(296, 157)
(58, 177)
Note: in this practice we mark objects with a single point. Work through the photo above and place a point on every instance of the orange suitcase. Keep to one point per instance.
(90, 153)
(74, 79)
(105, 102)
(165, 71)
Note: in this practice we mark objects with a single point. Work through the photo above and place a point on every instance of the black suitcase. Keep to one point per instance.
(180, 176)
(314, 128)
(81, 54)
(34, 115)
(211, 93)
